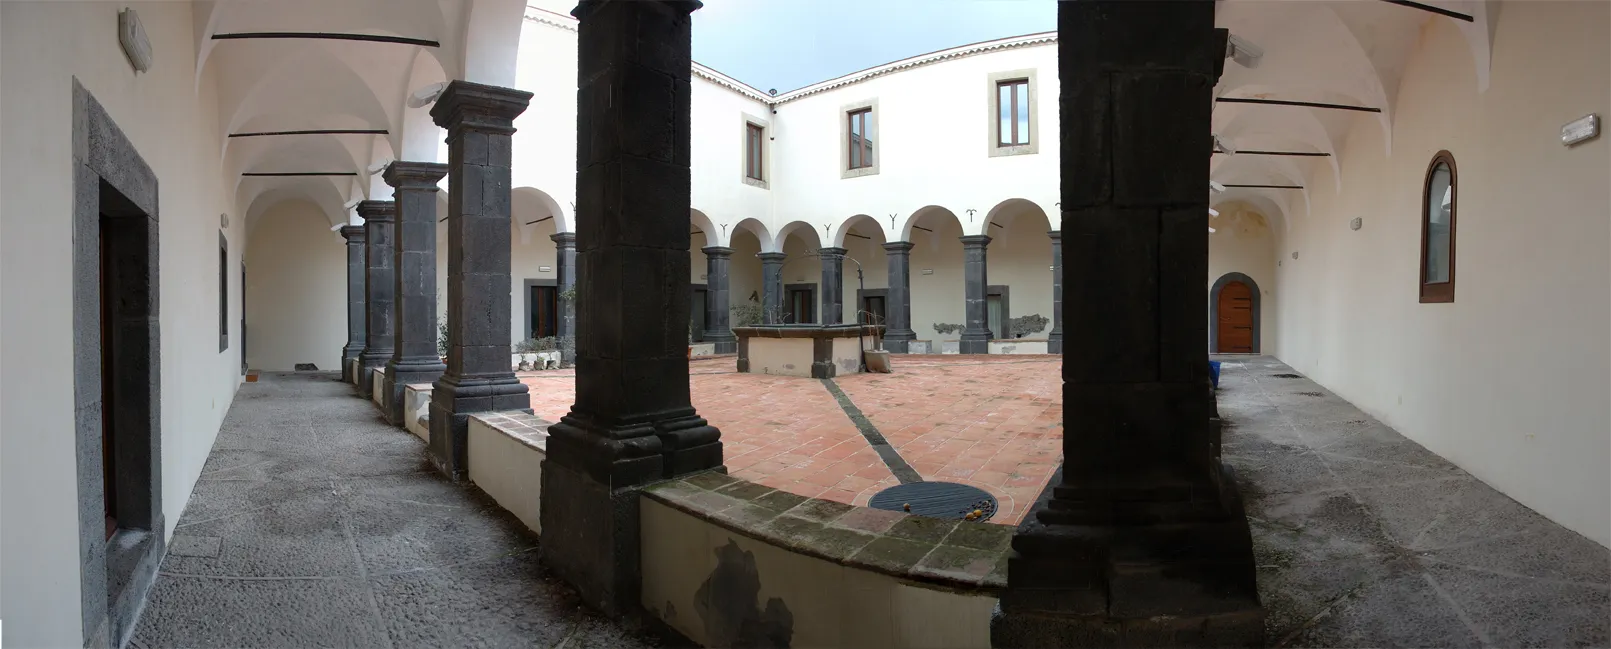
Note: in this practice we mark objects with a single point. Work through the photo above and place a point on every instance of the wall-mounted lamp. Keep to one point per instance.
(426, 95)
(131, 34)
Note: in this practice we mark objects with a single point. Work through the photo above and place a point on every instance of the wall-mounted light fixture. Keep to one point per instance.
(131, 34)
(1582, 129)
(928, 271)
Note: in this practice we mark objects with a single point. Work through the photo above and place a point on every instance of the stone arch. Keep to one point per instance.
(813, 240)
(1213, 310)
(714, 235)
(756, 227)
(538, 204)
(1007, 212)
(926, 211)
(843, 230)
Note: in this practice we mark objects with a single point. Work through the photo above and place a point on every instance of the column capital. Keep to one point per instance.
(1056, 235)
(772, 256)
(587, 7)
(717, 251)
(900, 247)
(832, 252)
(975, 240)
(378, 211)
(414, 175)
(564, 239)
(353, 233)
(465, 105)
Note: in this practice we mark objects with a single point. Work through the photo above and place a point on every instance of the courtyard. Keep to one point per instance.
(993, 422)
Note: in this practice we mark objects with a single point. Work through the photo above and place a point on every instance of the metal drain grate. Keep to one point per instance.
(937, 499)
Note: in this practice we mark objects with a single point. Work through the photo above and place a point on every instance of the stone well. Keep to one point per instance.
(806, 350)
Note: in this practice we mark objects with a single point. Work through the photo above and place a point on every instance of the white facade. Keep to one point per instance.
(1509, 380)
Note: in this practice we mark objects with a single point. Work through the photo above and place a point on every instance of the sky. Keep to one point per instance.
(789, 44)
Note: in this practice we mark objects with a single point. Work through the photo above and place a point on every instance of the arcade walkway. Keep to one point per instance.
(316, 524)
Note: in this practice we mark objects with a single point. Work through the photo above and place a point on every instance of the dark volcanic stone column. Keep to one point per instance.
(356, 317)
(899, 307)
(717, 297)
(772, 286)
(414, 358)
(565, 273)
(1143, 540)
(479, 120)
(976, 302)
(632, 422)
(1054, 342)
(833, 285)
(379, 285)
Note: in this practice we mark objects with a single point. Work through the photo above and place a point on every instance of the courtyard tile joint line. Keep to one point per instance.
(892, 458)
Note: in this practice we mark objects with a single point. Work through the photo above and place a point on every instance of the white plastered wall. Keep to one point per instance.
(1510, 380)
(172, 122)
(1243, 242)
(296, 290)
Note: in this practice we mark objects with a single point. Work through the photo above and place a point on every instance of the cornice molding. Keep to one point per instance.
(567, 23)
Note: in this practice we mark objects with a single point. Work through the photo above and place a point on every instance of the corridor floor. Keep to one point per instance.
(316, 524)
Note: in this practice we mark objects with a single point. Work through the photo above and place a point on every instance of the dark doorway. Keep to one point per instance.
(544, 303)
(800, 307)
(1235, 319)
(874, 306)
(696, 313)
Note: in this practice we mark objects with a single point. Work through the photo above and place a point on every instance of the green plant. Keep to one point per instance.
(943, 329)
(527, 346)
(441, 337)
(747, 315)
(569, 294)
(1025, 325)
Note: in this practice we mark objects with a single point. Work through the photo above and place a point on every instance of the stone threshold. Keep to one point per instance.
(961, 556)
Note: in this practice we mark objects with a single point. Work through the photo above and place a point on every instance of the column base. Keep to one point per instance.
(401, 375)
(896, 341)
(1054, 343)
(591, 538)
(453, 400)
(1170, 584)
(348, 353)
(724, 344)
(974, 342)
(367, 362)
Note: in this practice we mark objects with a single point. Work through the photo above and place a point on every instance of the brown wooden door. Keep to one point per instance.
(1235, 319)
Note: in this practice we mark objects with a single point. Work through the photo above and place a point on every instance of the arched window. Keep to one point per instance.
(1439, 200)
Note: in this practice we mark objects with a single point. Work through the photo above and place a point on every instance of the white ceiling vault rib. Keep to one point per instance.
(336, 76)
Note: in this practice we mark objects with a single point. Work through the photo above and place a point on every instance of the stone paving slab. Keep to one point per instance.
(328, 529)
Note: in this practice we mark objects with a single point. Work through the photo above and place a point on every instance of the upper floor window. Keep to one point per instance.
(753, 146)
(1438, 211)
(1012, 105)
(1012, 124)
(860, 146)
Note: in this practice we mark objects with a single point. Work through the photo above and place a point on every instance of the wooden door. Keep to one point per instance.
(544, 311)
(1235, 319)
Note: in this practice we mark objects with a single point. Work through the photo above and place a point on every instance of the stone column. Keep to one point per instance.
(717, 298)
(414, 354)
(898, 330)
(772, 286)
(1054, 341)
(379, 287)
(479, 120)
(833, 285)
(565, 274)
(632, 422)
(976, 302)
(356, 317)
(1142, 540)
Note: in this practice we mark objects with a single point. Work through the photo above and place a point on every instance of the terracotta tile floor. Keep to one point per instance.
(994, 422)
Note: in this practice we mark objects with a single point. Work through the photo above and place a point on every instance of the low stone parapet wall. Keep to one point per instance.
(417, 410)
(506, 456)
(732, 563)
